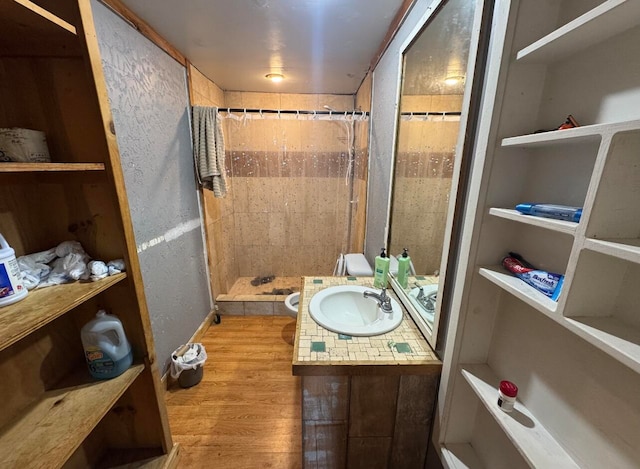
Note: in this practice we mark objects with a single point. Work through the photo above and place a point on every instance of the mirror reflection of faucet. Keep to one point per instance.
(425, 297)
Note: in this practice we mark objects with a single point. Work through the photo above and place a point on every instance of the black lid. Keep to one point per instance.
(382, 253)
(405, 253)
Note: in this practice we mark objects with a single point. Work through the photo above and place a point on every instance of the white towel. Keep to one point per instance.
(208, 148)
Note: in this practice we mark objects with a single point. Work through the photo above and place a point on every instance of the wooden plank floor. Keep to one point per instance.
(246, 411)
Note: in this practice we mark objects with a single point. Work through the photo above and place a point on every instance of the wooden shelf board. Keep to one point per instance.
(528, 435)
(460, 456)
(561, 226)
(139, 458)
(30, 29)
(614, 337)
(520, 289)
(38, 17)
(42, 306)
(606, 20)
(576, 135)
(626, 249)
(49, 167)
(55, 426)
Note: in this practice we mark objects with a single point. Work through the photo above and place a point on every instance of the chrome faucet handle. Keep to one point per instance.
(384, 301)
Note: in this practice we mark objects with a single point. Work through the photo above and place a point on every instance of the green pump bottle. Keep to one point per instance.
(381, 273)
(403, 269)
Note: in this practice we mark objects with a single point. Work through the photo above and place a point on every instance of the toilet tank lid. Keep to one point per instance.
(357, 265)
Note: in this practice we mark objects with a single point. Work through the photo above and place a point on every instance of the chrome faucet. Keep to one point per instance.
(384, 301)
(427, 302)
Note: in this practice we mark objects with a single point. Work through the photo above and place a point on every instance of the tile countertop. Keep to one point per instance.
(319, 352)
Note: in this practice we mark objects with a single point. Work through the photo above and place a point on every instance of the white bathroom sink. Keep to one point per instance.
(345, 310)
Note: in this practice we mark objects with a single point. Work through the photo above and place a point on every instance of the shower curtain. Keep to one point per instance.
(296, 188)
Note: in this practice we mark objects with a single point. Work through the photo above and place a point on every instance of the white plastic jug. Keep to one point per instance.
(11, 287)
(106, 348)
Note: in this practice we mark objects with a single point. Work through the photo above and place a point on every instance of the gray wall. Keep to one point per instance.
(149, 101)
(383, 124)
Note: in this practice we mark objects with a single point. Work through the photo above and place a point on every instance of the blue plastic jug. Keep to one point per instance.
(106, 348)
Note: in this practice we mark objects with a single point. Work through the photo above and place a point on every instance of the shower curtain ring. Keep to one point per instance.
(278, 114)
(297, 114)
(245, 113)
(261, 116)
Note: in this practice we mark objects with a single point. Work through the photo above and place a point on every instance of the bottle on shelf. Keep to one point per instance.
(12, 289)
(106, 348)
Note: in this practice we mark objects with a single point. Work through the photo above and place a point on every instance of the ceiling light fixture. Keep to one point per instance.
(274, 77)
(453, 80)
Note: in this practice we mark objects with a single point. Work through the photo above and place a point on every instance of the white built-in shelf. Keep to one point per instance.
(612, 336)
(626, 249)
(581, 134)
(528, 435)
(606, 20)
(460, 456)
(49, 167)
(77, 406)
(555, 137)
(561, 226)
(520, 289)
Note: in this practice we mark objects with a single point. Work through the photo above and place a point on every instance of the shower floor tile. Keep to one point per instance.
(242, 290)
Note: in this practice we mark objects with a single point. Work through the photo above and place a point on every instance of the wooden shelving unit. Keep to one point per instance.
(54, 413)
(589, 340)
(76, 405)
(41, 307)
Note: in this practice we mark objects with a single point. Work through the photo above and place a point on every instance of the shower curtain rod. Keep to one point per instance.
(294, 112)
(431, 113)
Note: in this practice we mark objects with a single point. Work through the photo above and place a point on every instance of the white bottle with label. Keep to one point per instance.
(11, 287)
(106, 348)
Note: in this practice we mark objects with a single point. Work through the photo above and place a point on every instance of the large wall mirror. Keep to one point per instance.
(433, 109)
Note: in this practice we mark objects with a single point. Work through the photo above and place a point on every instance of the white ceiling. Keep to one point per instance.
(320, 46)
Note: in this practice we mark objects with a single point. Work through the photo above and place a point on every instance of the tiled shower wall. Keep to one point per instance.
(422, 180)
(291, 194)
(287, 209)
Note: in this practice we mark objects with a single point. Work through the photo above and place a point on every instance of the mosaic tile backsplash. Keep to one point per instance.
(314, 344)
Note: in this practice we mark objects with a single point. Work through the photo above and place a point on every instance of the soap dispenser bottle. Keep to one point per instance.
(403, 268)
(381, 270)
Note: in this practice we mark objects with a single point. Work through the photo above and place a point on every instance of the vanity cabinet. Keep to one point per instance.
(576, 361)
(54, 414)
(367, 402)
